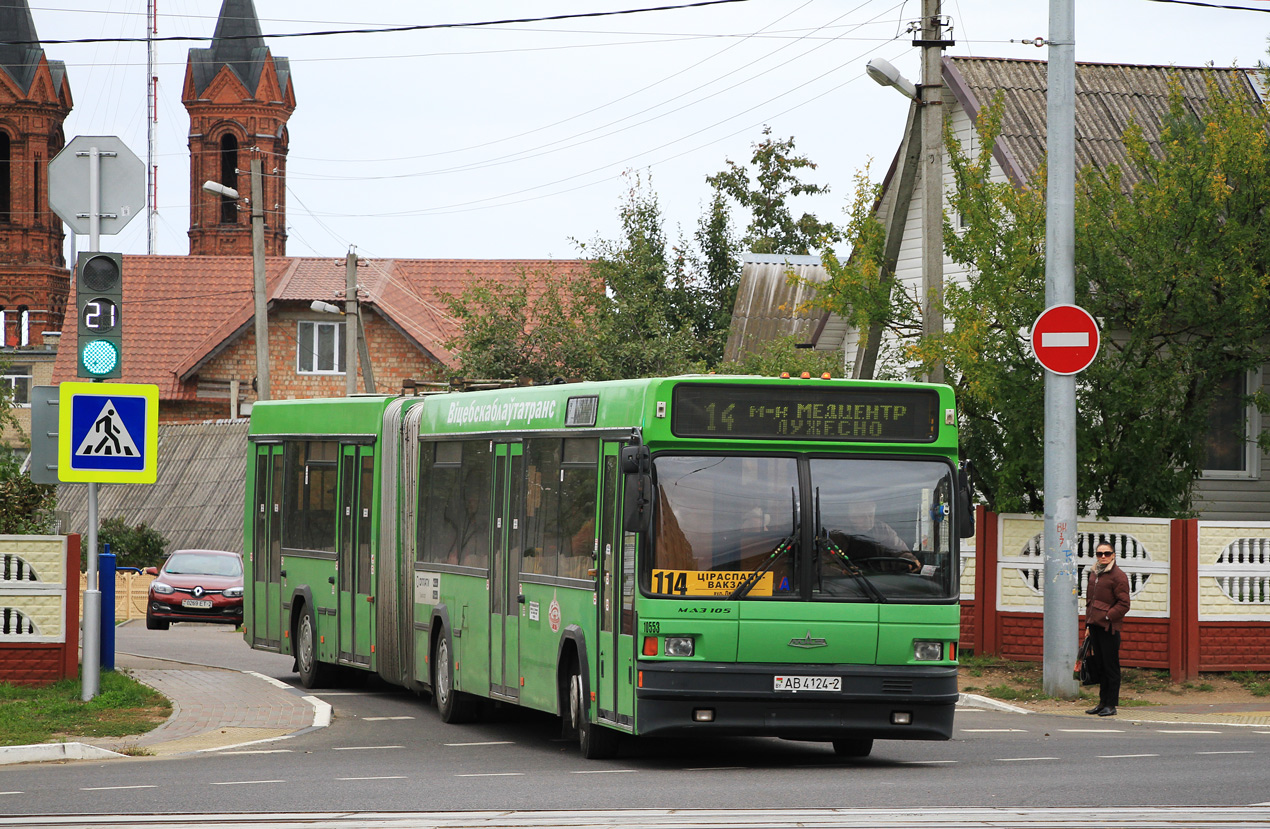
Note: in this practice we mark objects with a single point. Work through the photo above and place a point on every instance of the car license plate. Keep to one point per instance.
(199, 604)
(808, 683)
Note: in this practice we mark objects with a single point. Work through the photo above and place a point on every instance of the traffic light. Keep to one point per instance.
(99, 304)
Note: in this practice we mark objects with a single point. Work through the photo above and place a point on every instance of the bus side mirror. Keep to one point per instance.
(965, 503)
(637, 513)
(637, 516)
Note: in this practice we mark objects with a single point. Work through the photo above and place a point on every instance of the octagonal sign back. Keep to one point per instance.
(123, 183)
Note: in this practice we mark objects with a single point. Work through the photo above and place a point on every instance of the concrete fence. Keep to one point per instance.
(39, 616)
(1200, 590)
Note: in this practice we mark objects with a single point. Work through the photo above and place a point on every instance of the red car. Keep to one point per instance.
(196, 586)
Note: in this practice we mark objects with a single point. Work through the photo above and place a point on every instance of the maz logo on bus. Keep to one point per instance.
(705, 610)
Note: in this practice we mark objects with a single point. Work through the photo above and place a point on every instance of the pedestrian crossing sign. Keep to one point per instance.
(108, 433)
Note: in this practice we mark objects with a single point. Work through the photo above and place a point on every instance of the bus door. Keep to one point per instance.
(266, 550)
(356, 590)
(505, 598)
(616, 585)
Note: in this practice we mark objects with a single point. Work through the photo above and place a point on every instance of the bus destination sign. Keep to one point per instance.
(802, 413)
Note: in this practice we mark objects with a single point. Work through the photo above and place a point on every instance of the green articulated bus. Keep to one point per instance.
(683, 556)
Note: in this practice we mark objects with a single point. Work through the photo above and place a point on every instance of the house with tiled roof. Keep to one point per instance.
(1109, 98)
(190, 327)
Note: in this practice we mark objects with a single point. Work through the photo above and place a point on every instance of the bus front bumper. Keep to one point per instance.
(886, 702)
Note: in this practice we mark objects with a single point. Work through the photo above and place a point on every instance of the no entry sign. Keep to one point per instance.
(1065, 339)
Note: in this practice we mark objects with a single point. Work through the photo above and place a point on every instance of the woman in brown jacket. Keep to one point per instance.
(1106, 603)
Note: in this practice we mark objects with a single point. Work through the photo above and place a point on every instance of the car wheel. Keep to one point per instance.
(852, 748)
(313, 672)
(155, 624)
(454, 706)
(595, 741)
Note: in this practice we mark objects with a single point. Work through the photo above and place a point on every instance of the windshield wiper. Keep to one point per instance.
(825, 543)
(788, 543)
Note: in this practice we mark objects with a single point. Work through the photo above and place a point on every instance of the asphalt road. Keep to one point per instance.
(387, 751)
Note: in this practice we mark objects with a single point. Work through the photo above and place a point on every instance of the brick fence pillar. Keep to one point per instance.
(987, 625)
(1184, 599)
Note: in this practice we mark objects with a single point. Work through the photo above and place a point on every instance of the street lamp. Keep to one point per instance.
(258, 271)
(932, 144)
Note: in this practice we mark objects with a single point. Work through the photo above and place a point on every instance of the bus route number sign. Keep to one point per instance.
(804, 413)
(707, 582)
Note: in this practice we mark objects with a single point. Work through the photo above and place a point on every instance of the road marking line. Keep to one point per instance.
(1225, 752)
(258, 751)
(362, 748)
(605, 771)
(4, 793)
(114, 788)
(385, 777)
(381, 719)
(1092, 730)
(1123, 756)
(490, 743)
(1022, 759)
(1162, 731)
(495, 774)
(246, 782)
(992, 730)
(716, 768)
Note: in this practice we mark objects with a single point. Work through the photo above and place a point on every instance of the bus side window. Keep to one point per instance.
(542, 505)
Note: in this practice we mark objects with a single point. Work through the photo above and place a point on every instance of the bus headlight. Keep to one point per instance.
(928, 651)
(679, 646)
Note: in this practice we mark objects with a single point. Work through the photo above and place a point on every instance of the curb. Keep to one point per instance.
(981, 703)
(45, 752)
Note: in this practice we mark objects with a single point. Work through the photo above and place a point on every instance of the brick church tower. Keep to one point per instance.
(239, 97)
(35, 99)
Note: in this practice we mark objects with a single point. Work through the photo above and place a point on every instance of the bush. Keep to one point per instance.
(139, 546)
(26, 508)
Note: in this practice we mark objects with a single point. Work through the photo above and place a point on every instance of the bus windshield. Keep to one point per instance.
(846, 529)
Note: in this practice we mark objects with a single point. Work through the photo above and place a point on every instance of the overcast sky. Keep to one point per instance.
(512, 141)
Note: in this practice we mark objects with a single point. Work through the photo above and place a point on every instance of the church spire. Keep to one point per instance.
(239, 97)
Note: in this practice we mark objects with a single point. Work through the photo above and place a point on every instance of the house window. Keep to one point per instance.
(6, 178)
(320, 348)
(19, 378)
(1231, 446)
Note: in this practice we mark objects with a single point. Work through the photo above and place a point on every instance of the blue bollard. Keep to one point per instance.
(106, 584)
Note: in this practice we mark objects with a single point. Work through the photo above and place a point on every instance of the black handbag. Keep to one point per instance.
(1088, 668)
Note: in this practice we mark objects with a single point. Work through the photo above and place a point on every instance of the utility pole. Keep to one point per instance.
(350, 322)
(1061, 589)
(152, 100)
(258, 277)
(932, 90)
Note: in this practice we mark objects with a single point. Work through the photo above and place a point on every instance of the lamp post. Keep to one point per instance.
(258, 271)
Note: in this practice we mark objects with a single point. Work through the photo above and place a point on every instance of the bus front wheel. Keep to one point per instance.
(454, 706)
(852, 748)
(313, 672)
(595, 741)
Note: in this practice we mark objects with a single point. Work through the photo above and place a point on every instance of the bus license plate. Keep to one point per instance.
(808, 683)
(201, 604)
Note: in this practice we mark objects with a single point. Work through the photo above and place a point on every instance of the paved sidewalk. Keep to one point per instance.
(212, 708)
(1242, 714)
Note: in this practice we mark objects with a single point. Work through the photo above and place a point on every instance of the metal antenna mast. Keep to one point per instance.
(152, 107)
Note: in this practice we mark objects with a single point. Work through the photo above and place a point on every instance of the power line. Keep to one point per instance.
(1209, 5)
(383, 30)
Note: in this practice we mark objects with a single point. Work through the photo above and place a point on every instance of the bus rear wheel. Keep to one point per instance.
(852, 748)
(454, 706)
(313, 672)
(595, 741)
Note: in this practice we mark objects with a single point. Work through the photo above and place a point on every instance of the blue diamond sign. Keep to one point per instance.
(108, 433)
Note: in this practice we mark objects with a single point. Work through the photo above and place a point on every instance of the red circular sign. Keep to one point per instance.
(1065, 339)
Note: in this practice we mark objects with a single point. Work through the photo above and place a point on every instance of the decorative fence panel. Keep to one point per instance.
(39, 610)
(1200, 590)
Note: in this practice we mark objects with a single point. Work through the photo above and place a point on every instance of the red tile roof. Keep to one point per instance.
(178, 311)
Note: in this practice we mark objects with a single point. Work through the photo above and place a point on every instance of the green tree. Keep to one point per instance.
(546, 325)
(773, 228)
(1175, 267)
(705, 280)
(785, 354)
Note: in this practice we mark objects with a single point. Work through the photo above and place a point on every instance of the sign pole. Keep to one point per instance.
(91, 667)
(1061, 589)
